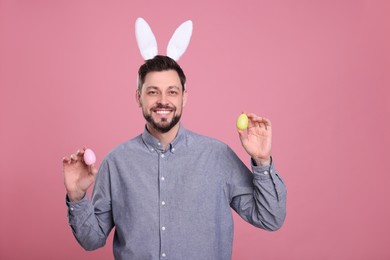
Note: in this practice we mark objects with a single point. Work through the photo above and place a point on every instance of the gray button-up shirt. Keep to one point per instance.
(175, 204)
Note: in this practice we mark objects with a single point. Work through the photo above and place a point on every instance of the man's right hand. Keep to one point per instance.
(78, 175)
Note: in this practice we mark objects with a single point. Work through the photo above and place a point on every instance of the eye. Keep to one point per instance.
(173, 92)
(152, 92)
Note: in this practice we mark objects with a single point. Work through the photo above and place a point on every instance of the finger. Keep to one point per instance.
(266, 123)
(65, 160)
(254, 119)
(252, 116)
(241, 134)
(261, 121)
(73, 158)
(80, 155)
(93, 169)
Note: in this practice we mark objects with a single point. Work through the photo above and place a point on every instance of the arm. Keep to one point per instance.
(91, 222)
(264, 204)
(259, 197)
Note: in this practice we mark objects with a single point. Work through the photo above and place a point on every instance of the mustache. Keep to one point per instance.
(161, 106)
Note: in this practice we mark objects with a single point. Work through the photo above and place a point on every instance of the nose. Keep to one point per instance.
(163, 99)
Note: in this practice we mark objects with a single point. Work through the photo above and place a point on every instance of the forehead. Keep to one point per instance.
(166, 78)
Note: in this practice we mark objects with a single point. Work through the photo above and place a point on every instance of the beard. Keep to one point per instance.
(163, 126)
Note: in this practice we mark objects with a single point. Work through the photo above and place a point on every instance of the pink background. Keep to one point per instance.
(320, 70)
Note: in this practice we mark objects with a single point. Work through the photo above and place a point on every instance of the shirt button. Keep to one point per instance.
(163, 255)
(162, 156)
(266, 172)
(71, 208)
(158, 144)
(173, 149)
(162, 178)
(163, 228)
(151, 149)
(163, 203)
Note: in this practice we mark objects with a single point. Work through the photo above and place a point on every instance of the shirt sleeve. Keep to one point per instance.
(259, 197)
(91, 221)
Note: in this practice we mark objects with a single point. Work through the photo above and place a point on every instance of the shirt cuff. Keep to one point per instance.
(262, 172)
(76, 206)
(78, 211)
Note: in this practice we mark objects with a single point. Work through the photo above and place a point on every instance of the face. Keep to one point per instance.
(162, 100)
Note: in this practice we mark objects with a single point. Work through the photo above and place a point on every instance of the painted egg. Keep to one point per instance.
(89, 157)
(242, 122)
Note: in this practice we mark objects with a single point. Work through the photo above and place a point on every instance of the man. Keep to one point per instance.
(168, 192)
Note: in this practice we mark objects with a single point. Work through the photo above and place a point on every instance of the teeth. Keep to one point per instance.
(163, 112)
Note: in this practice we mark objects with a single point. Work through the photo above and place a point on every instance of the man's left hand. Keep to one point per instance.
(257, 140)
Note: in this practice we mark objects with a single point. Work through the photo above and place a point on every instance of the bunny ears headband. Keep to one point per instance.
(147, 43)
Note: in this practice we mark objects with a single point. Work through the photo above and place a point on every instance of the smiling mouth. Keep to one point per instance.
(162, 112)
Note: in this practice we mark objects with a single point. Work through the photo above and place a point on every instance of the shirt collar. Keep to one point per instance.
(152, 143)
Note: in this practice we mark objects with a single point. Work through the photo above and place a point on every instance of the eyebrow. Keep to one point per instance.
(175, 87)
(154, 87)
(151, 87)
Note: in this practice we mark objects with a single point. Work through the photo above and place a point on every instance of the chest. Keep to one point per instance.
(190, 181)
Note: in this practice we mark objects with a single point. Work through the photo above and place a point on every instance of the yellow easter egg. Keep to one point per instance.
(242, 122)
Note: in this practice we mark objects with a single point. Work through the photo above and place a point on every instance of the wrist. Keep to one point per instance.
(262, 161)
(75, 196)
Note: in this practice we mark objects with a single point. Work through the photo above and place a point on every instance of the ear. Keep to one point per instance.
(138, 97)
(146, 40)
(180, 39)
(185, 97)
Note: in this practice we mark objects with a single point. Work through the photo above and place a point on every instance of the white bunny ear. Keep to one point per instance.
(147, 43)
(180, 39)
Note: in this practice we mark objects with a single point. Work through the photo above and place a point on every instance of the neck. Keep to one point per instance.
(164, 138)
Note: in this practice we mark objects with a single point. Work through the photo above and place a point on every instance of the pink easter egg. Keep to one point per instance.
(89, 157)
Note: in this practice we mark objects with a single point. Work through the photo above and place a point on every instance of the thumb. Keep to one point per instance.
(242, 135)
(93, 169)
